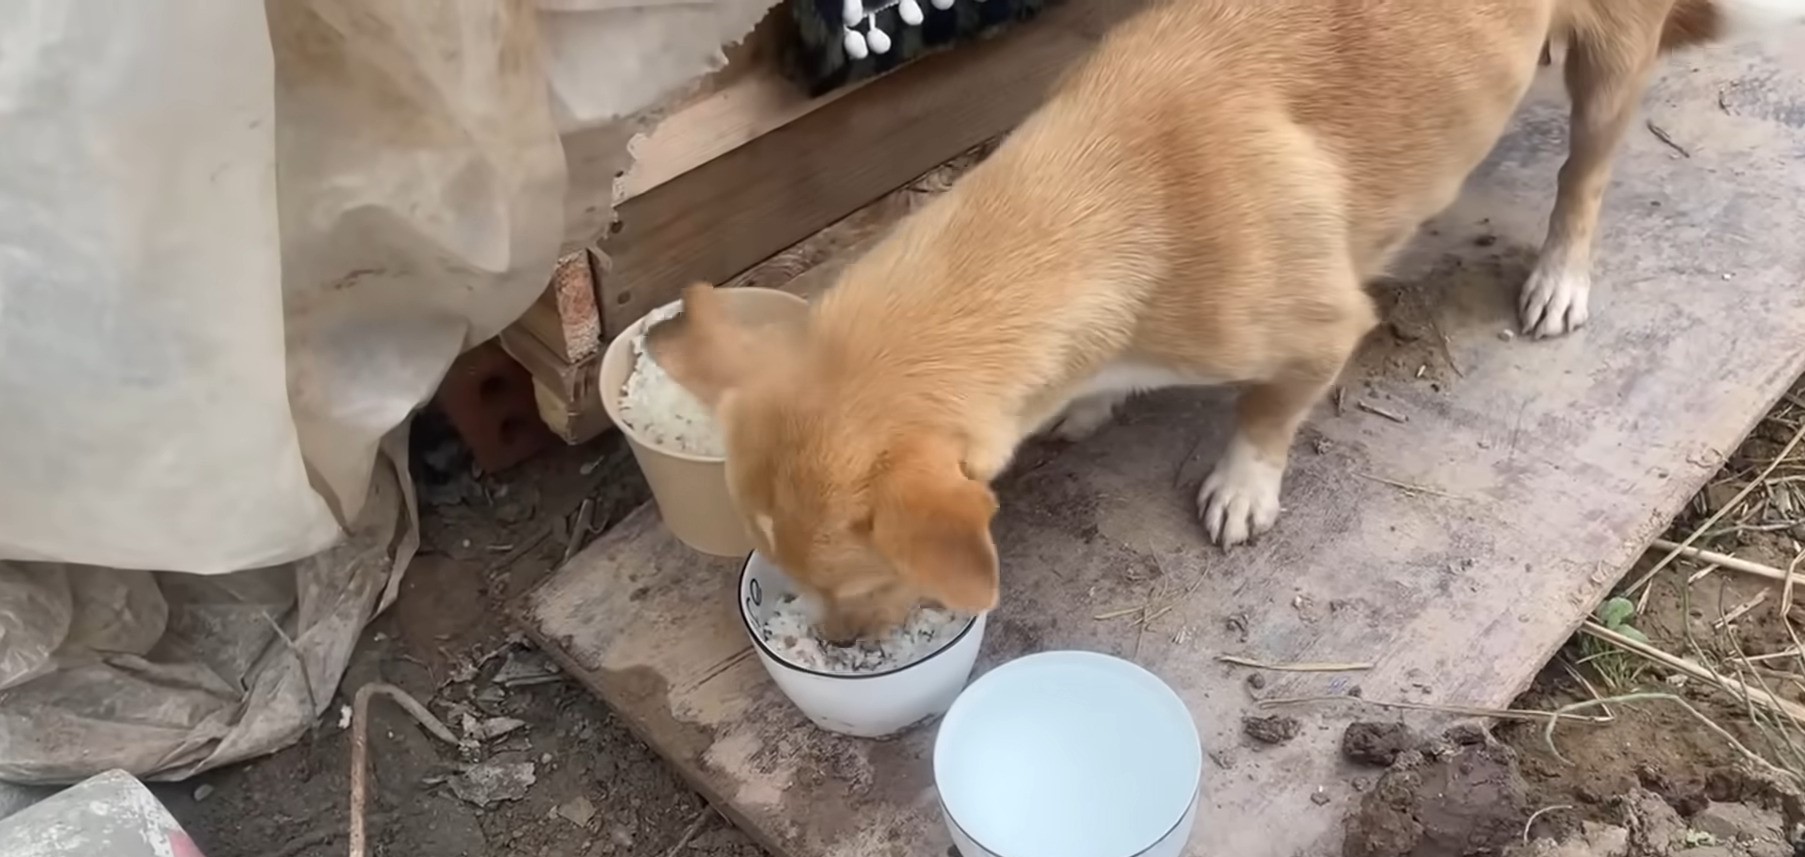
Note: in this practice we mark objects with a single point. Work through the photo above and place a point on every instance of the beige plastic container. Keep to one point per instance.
(691, 490)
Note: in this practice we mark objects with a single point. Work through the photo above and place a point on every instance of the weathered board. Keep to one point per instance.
(1541, 470)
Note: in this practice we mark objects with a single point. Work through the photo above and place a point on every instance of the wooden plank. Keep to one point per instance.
(747, 98)
(1545, 468)
(723, 120)
(575, 421)
(721, 218)
(564, 319)
(566, 394)
(810, 266)
(568, 400)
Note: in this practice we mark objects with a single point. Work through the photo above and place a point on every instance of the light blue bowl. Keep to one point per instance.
(1069, 754)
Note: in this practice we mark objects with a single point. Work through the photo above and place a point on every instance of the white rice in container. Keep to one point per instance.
(789, 630)
(658, 409)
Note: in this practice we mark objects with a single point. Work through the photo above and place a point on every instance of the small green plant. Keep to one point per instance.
(1615, 615)
(1618, 669)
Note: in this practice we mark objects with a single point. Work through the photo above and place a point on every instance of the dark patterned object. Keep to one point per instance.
(822, 59)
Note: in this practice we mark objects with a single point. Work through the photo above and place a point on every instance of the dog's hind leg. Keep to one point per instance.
(1606, 71)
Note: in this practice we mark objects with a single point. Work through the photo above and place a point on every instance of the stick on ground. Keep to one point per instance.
(1673, 552)
(1753, 694)
(1723, 560)
(1301, 667)
(360, 748)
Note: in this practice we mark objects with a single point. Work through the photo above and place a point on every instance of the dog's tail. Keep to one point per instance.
(1695, 22)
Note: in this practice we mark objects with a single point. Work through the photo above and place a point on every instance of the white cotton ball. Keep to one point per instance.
(942, 5)
(852, 12)
(910, 12)
(880, 42)
(855, 45)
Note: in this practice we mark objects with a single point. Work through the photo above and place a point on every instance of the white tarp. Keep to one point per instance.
(239, 244)
(659, 45)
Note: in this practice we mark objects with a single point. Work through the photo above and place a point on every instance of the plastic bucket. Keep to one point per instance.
(691, 490)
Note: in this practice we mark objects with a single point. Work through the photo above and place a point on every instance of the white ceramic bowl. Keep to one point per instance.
(864, 705)
(1069, 754)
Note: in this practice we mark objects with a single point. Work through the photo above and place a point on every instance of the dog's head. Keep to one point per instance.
(869, 512)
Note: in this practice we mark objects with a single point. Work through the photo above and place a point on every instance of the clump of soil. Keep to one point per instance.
(1647, 826)
(1593, 840)
(1441, 799)
(1376, 743)
(1464, 795)
(1276, 729)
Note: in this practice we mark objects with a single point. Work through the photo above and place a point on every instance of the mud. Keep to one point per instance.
(1441, 799)
(1376, 744)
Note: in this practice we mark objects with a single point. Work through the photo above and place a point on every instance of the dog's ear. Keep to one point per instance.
(932, 522)
(705, 349)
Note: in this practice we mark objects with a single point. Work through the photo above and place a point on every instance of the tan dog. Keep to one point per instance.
(1198, 203)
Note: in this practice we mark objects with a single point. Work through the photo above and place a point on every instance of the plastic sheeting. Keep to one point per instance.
(658, 45)
(171, 674)
(230, 270)
(239, 244)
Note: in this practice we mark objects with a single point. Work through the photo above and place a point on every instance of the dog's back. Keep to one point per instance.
(1187, 193)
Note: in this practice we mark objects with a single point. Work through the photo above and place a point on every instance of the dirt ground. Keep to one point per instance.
(594, 789)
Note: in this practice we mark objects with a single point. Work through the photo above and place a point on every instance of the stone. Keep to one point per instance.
(1376, 744)
(1276, 729)
(578, 811)
(488, 783)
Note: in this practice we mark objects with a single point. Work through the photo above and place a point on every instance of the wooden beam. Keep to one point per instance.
(747, 165)
(574, 422)
(725, 216)
(565, 318)
(724, 120)
(808, 267)
(568, 398)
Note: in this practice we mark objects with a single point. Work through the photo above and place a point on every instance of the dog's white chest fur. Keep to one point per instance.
(1125, 378)
(1090, 403)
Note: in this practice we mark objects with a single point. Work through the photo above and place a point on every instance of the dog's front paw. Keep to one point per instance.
(1240, 499)
(1553, 301)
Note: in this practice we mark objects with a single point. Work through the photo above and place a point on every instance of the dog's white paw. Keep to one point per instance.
(1240, 499)
(1553, 301)
(1084, 417)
